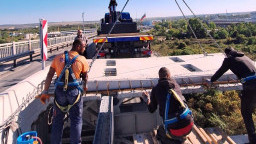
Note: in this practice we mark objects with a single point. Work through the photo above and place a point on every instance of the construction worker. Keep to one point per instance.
(69, 89)
(244, 68)
(80, 35)
(159, 97)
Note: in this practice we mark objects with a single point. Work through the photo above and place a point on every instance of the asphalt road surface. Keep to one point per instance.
(10, 76)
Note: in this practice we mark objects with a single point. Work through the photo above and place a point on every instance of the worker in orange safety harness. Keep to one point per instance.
(70, 67)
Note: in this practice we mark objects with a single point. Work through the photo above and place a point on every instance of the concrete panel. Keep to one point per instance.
(145, 122)
(125, 124)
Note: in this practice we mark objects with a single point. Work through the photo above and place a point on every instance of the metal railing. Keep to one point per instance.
(16, 48)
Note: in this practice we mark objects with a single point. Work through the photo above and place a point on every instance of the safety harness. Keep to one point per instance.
(186, 116)
(67, 71)
(244, 80)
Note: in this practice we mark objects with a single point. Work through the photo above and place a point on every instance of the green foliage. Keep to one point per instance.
(197, 28)
(182, 45)
(251, 41)
(216, 108)
(221, 34)
(212, 25)
(240, 39)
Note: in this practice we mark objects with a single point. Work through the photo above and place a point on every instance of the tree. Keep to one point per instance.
(221, 34)
(182, 45)
(212, 25)
(240, 39)
(251, 41)
(197, 28)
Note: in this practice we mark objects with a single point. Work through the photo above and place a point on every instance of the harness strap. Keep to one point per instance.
(67, 64)
(182, 116)
(167, 106)
(65, 109)
(244, 80)
(68, 70)
(77, 84)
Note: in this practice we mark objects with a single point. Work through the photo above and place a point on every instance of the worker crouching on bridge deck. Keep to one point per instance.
(68, 91)
(243, 67)
(175, 129)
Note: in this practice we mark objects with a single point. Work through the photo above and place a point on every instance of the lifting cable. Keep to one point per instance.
(203, 26)
(190, 28)
(95, 56)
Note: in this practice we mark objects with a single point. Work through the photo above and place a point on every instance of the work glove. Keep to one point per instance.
(44, 96)
(145, 97)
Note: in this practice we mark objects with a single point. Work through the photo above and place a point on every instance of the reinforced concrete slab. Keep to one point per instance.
(147, 68)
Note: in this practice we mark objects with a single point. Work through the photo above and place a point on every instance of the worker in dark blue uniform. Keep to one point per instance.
(70, 67)
(244, 68)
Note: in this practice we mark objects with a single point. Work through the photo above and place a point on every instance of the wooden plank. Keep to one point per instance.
(206, 136)
(217, 135)
(210, 133)
(153, 136)
(203, 138)
(187, 141)
(230, 140)
(194, 138)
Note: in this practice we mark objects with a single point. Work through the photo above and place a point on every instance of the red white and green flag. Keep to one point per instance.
(144, 16)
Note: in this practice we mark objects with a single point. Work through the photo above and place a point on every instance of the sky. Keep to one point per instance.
(30, 11)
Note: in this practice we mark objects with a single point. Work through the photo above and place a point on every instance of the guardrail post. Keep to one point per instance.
(30, 49)
(14, 53)
(13, 48)
(29, 45)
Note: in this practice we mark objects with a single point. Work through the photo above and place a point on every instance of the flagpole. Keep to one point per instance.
(83, 24)
(41, 43)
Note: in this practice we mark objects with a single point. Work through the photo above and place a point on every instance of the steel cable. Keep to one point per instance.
(95, 56)
(203, 26)
(190, 27)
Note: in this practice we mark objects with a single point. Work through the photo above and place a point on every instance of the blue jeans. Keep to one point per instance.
(65, 98)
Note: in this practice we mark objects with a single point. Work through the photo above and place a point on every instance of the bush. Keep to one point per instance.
(182, 45)
(222, 34)
(240, 39)
(216, 108)
(251, 41)
(229, 40)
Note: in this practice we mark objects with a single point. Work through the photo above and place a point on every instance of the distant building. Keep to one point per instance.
(14, 34)
(154, 22)
(147, 23)
(253, 16)
(30, 36)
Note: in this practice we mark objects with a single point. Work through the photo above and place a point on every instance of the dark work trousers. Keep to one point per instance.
(75, 114)
(164, 139)
(248, 104)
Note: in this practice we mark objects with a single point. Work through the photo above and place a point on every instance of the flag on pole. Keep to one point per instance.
(44, 35)
(144, 16)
